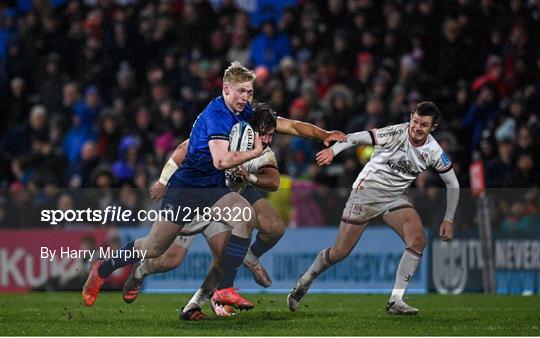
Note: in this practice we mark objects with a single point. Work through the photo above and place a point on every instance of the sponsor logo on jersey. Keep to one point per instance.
(403, 167)
(390, 133)
(357, 208)
(402, 147)
(424, 157)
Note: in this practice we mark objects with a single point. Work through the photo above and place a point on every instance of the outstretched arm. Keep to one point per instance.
(446, 230)
(326, 156)
(304, 129)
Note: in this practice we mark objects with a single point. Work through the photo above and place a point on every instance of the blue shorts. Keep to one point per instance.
(188, 202)
(252, 194)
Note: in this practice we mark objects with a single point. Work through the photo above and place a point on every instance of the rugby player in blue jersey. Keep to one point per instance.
(259, 173)
(200, 183)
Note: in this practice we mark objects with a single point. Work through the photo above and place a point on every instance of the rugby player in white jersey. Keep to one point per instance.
(401, 153)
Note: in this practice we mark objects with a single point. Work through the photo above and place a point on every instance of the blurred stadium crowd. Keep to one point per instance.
(97, 93)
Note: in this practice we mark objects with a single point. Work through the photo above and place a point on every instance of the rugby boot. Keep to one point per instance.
(229, 296)
(396, 306)
(193, 314)
(93, 285)
(260, 276)
(132, 286)
(222, 310)
(297, 293)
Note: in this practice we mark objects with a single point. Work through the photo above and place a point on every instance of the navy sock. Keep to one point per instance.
(111, 264)
(259, 247)
(235, 252)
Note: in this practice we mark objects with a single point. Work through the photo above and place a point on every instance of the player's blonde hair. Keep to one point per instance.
(237, 73)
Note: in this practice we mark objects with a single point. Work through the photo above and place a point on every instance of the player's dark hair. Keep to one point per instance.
(428, 108)
(264, 118)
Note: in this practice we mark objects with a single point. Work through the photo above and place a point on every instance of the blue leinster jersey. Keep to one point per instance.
(214, 123)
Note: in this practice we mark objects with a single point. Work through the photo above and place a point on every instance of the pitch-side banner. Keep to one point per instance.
(45, 259)
(370, 268)
(457, 265)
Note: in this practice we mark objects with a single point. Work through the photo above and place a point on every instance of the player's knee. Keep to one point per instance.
(153, 250)
(418, 243)
(279, 228)
(243, 230)
(244, 214)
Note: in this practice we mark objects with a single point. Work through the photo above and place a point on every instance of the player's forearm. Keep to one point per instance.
(234, 158)
(265, 179)
(175, 161)
(179, 154)
(299, 128)
(355, 139)
(452, 194)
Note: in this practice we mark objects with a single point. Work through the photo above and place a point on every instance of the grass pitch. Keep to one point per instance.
(62, 313)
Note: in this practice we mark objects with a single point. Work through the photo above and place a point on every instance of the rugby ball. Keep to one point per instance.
(241, 137)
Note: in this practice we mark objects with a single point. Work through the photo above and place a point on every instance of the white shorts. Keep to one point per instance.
(361, 207)
(211, 230)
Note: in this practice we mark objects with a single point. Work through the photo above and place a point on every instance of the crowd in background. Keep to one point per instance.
(97, 93)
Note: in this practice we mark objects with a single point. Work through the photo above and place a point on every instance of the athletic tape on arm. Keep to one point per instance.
(168, 170)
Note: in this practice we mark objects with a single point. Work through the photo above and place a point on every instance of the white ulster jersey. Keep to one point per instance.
(396, 162)
(267, 159)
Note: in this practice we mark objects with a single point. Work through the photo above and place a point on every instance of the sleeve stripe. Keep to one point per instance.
(445, 170)
(218, 137)
(372, 134)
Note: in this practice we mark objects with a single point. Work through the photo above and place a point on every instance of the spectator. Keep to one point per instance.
(498, 169)
(18, 141)
(270, 46)
(518, 220)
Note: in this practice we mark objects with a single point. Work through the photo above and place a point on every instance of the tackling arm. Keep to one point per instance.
(267, 178)
(304, 129)
(355, 139)
(326, 156)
